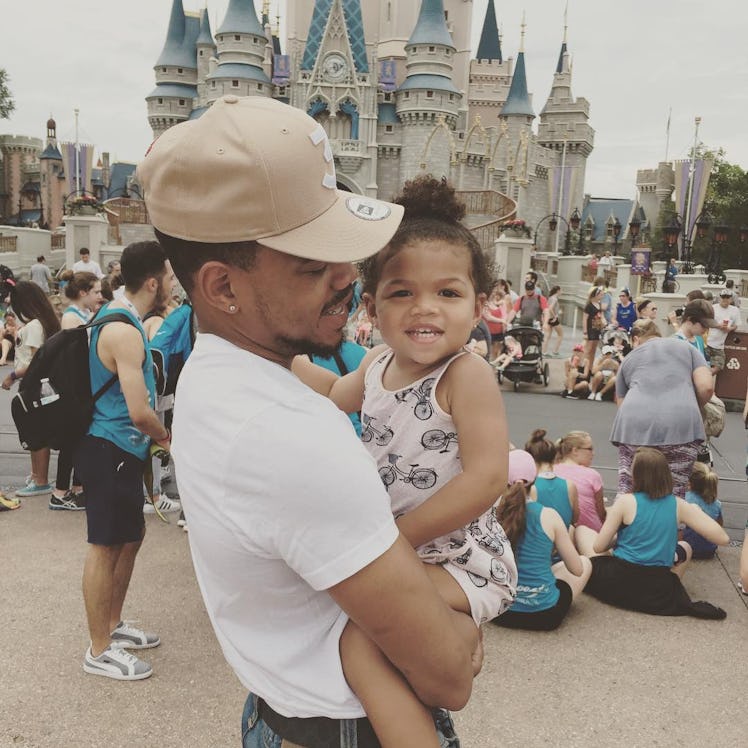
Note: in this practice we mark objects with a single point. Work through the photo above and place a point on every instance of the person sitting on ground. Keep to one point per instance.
(8, 341)
(531, 309)
(551, 490)
(702, 491)
(604, 372)
(575, 452)
(544, 592)
(642, 528)
(84, 294)
(624, 314)
(554, 322)
(512, 352)
(576, 374)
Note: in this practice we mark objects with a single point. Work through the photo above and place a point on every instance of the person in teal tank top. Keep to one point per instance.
(545, 592)
(550, 489)
(110, 462)
(637, 547)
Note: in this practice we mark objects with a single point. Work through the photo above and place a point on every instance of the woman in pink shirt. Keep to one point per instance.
(574, 458)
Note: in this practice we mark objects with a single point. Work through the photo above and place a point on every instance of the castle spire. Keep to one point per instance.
(560, 67)
(489, 47)
(431, 27)
(241, 17)
(205, 36)
(518, 99)
(176, 52)
(355, 31)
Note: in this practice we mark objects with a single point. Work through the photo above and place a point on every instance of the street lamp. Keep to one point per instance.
(575, 219)
(553, 220)
(634, 227)
(674, 229)
(720, 235)
(616, 233)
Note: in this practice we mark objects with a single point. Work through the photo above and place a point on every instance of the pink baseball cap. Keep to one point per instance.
(255, 169)
(522, 467)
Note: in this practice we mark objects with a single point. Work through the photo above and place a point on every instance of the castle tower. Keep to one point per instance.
(206, 51)
(176, 72)
(516, 118)
(490, 75)
(51, 180)
(334, 86)
(240, 46)
(428, 102)
(564, 128)
(20, 154)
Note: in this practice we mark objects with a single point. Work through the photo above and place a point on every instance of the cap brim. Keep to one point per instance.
(341, 233)
(709, 323)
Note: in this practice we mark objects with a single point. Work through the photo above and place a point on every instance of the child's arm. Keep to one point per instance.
(564, 544)
(701, 523)
(613, 520)
(346, 392)
(574, 501)
(471, 395)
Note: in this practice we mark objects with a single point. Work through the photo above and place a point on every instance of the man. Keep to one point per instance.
(110, 461)
(86, 264)
(532, 308)
(728, 320)
(294, 533)
(671, 273)
(605, 263)
(41, 274)
(730, 286)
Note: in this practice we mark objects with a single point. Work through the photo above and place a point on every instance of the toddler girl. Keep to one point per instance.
(702, 491)
(512, 352)
(434, 422)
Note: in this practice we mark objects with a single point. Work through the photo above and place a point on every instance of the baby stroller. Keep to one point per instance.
(531, 367)
(612, 335)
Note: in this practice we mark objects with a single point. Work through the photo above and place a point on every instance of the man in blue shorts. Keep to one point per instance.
(110, 458)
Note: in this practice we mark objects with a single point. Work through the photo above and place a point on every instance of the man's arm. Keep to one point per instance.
(121, 350)
(395, 603)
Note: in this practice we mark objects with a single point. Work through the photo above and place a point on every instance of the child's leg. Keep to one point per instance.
(576, 583)
(684, 553)
(395, 712)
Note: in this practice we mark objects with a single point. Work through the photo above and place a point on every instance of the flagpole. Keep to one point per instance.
(692, 170)
(667, 134)
(77, 157)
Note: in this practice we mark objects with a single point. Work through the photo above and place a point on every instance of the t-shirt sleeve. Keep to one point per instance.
(697, 358)
(516, 305)
(320, 505)
(34, 334)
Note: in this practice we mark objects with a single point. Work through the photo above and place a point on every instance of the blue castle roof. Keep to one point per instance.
(205, 36)
(429, 81)
(238, 70)
(354, 24)
(431, 26)
(601, 209)
(177, 90)
(241, 18)
(560, 64)
(489, 47)
(179, 48)
(518, 100)
(118, 178)
(51, 152)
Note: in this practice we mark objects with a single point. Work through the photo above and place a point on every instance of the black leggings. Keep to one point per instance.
(64, 469)
(544, 620)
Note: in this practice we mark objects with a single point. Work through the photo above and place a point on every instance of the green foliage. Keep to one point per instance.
(7, 105)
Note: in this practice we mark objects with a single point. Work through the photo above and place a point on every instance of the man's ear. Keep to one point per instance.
(214, 283)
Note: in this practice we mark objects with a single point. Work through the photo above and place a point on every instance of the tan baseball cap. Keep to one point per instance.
(255, 169)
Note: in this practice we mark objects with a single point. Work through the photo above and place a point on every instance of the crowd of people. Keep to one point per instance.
(383, 517)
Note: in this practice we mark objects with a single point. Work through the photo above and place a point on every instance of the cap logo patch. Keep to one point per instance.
(317, 136)
(366, 208)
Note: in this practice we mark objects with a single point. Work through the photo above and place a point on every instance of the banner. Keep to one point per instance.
(85, 166)
(281, 69)
(387, 75)
(566, 177)
(702, 169)
(640, 261)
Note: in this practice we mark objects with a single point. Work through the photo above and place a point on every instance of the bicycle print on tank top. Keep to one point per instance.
(414, 443)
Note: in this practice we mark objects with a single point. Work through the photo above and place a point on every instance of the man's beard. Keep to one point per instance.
(306, 347)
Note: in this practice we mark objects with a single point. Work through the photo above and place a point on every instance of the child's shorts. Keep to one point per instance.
(488, 599)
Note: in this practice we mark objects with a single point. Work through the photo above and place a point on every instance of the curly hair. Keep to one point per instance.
(432, 212)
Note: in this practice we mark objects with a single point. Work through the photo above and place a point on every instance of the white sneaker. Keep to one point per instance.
(591, 396)
(165, 505)
(599, 397)
(116, 663)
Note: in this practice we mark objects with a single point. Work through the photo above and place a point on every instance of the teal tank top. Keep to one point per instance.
(111, 419)
(536, 587)
(651, 538)
(554, 493)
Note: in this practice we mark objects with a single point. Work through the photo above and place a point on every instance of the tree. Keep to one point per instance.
(7, 105)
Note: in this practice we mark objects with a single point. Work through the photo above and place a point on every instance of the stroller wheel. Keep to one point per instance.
(516, 385)
(546, 375)
(500, 376)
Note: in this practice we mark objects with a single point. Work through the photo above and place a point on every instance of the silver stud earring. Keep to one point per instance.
(232, 308)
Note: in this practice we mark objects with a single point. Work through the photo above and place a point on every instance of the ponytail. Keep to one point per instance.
(511, 512)
(704, 482)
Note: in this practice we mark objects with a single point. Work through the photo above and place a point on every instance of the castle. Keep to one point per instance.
(394, 85)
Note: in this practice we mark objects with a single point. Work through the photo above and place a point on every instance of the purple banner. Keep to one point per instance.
(387, 75)
(281, 69)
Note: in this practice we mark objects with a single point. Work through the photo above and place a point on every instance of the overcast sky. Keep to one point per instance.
(632, 60)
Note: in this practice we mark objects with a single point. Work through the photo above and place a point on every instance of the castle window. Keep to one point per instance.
(259, 86)
(235, 84)
(201, 52)
(180, 71)
(281, 91)
(212, 84)
(406, 95)
(237, 38)
(163, 70)
(429, 94)
(451, 97)
(388, 128)
(388, 96)
(432, 49)
(181, 102)
(160, 101)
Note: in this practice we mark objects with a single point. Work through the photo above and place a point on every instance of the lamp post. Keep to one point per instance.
(616, 233)
(720, 236)
(674, 229)
(553, 220)
(575, 220)
(634, 227)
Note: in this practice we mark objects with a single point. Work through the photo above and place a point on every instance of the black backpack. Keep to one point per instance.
(63, 360)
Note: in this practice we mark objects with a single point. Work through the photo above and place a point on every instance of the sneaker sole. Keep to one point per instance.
(115, 676)
(129, 644)
(55, 508)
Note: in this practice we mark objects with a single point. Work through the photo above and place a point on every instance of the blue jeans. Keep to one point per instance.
(256, 734)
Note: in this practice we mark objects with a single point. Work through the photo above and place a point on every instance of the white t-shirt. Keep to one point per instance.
(283, 503)
(31, 337)
(717, 335)
(88, 267)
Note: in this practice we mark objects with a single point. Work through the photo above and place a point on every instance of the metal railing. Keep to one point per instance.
(8, 243)
(496, 206)
(58, 241)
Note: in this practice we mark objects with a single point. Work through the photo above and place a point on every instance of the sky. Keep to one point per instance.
(634, 61)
